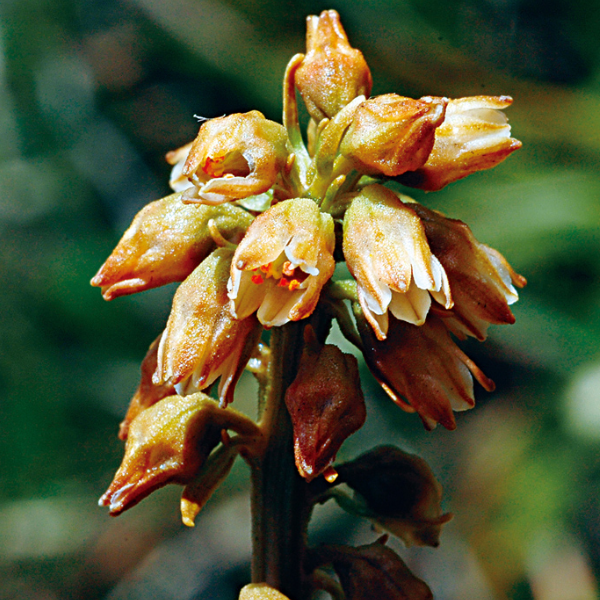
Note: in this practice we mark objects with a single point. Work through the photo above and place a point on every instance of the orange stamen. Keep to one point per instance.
(283, 282)
(288, 269)
(293, 285)
(265, 268)
(258, 279)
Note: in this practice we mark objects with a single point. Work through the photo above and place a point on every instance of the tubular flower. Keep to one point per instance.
(165, 243)
(282, 263)
(481, 279)
(423, 367)
(387, 252)
(332, 73)
(234, 157)
(474, 136)
(392, 134)
(202, 340)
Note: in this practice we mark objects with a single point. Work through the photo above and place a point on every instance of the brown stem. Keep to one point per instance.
(279, 507)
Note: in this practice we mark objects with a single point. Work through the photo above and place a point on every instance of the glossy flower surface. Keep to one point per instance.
(475, 136)
(234, 157)
(282, 263)
(387, 252)
(392, 134)
(202, 340)
(165, 243)
(332, 73)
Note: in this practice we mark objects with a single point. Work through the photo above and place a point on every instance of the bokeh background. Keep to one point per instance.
(93, 93)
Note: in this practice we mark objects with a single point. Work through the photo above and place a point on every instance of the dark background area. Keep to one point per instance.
(93, 93)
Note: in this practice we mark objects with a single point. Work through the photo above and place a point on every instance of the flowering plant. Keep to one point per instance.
(257, 231)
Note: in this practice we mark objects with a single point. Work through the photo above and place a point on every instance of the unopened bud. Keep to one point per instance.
(325, 403)
(332, 73)
(401, 493)
(392, 134)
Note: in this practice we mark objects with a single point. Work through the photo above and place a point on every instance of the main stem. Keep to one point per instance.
(278, 493)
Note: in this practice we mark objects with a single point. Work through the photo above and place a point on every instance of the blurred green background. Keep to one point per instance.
(93, 93)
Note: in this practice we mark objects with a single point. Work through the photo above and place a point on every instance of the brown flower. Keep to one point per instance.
(332, 73)
(392, 134)
(400, 492)
(234, 157)
(165, 242)
(325, 403)
(202, 340)
(424, 367)
(474, 136)
(282, 263)
(387, 253)
(373, 572)
(481, 280)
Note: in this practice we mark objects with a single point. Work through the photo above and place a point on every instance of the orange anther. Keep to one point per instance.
(258, 279)
(288, 269)
(293, 285)
(283, 282)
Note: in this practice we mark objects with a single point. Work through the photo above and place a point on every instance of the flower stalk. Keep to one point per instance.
(255, 232)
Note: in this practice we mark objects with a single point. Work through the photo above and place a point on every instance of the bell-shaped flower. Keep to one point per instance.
(234, 157)
(325, 403)
(474, 136)
(373, 572)
(399, 493)
(481, 279)
(165, 242)
(168, 443)
(147, 393)
(282, 263)
(202, 340)
(332, 73)
(392, 134)
(387, 253)
(422, 369)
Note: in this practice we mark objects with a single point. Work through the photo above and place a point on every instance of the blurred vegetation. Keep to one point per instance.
(93, 93)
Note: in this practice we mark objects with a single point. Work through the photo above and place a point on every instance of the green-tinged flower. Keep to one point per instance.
(165, 242)
(234, 157)
(325, 403)
(392, 134)
(481, 280)
(147, 393)
(168, 443)
(387, 253)
(332, 73)
(422, 369)
(202, 340)
(282, 263)
(474, 136)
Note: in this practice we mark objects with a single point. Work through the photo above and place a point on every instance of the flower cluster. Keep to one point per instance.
(255, 231)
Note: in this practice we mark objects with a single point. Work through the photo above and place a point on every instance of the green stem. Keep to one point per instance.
(279, 507)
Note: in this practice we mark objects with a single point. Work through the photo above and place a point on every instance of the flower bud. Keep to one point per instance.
(373, 572)
(423, 366)
(387, 253)
(481, 279)
(147, 394)
(325, 403)
(474, 136)
(202, 340)
(392, 134)
(332, 73)
(234, 157)
(282, 263)
(168, 442)
(165, 242)
(400, 491)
